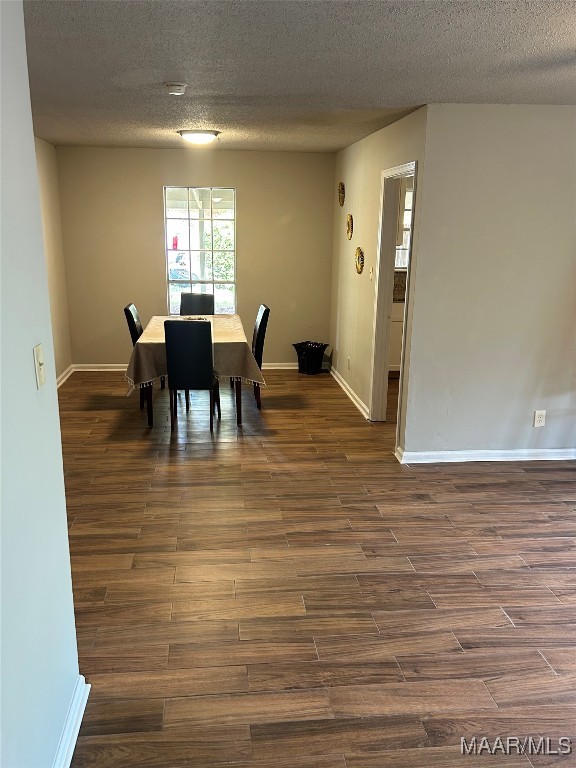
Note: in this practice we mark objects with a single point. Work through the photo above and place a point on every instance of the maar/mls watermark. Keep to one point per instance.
(514, 745)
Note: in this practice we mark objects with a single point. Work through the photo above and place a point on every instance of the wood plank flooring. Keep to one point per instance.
(288, 596)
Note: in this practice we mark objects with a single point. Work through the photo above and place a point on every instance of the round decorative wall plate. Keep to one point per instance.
(341, 193)
(349, 226)
(359, 260)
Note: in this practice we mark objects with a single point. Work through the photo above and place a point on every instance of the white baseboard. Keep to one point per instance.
(89, 367)
(439, 457)
(100, 366)
(72, 725)
(123, 366)
(350, 392)
(64, 375)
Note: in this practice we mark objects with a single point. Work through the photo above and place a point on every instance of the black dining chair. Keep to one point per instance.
(136, 330)
(190, 363)
(258, 344)
(196, 303)
(134, 323)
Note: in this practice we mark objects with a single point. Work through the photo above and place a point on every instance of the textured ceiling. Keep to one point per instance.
(269, 74)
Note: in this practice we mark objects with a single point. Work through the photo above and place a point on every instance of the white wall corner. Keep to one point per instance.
(71, 728)
(362, 407)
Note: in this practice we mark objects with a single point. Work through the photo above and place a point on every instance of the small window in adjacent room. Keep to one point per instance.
(200, 229)
(404, 223)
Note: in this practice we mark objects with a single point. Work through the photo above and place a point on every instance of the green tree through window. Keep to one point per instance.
(200, 225)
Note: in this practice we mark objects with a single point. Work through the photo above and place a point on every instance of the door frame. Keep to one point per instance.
(384, 287)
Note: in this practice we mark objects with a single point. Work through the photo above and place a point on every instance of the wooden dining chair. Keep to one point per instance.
(258, 338)
(196, 303)
(190, 363)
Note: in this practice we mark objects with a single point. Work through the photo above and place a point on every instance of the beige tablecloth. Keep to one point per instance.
(232, 354)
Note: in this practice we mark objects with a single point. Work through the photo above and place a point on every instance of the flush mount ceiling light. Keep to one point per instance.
(198, 137)
(176, 89)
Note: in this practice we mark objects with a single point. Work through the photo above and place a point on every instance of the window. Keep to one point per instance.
(404, 223)
(200, 245)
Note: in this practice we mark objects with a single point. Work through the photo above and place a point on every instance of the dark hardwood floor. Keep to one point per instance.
(288, 595)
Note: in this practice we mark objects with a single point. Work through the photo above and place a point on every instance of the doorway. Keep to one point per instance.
(392, 293)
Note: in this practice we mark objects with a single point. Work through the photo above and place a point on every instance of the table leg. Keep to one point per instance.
(149, 405)
(238, 387)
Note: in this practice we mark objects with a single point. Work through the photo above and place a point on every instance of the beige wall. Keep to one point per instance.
(55, 268)
(112, 217)
(494, 309)
(360, 167)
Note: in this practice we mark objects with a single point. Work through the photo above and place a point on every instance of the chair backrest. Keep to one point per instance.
(134, 324)
(260, 333)
(189, 355)
(196, 303)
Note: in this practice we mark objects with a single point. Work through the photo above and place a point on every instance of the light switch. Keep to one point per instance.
(39, 366)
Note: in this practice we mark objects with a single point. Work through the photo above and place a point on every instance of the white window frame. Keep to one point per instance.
(401, 250)
(188, 284)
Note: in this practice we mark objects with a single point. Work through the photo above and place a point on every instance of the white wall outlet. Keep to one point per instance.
(348, 363)
(39, 366)
(539, 418)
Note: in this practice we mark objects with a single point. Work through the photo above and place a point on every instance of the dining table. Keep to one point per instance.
(233, 358)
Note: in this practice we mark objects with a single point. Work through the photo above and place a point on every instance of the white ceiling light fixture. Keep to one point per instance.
(199, 137)
(176, 89)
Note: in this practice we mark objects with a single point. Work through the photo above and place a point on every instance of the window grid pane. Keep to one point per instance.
(200, 244)
(403, 251)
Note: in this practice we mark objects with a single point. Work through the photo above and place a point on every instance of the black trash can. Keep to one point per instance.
(310, 355)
